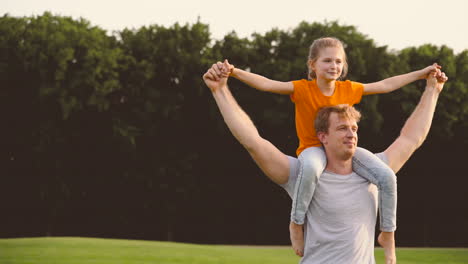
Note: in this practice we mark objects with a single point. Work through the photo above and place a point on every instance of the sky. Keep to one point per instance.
(395, 23)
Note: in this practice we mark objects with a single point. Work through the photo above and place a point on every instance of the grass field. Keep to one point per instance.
(70, 250)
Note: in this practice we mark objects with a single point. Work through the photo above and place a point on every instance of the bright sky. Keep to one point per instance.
(396, 23)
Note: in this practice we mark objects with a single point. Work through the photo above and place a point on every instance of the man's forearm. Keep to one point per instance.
(414, 131)
(238, 122)
(418, 124)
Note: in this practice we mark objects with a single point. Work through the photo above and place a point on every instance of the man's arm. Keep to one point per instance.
(396, 82)
(271, 160)
(417, 126)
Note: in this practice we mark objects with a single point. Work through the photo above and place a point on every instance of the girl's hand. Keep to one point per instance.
(434, 68)
(226, 68)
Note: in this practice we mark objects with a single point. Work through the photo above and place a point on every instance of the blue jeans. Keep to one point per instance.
(366, 164)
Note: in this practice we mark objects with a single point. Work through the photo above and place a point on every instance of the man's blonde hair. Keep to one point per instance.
(322, 121)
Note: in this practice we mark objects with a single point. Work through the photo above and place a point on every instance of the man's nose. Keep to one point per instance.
(351, 133)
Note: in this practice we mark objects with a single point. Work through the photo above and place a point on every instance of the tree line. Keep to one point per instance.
(116, 135)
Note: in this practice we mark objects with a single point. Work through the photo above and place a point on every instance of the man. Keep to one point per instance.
(341, 219)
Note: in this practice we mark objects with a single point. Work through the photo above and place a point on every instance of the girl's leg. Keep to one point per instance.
(376, 171)
(369, 166)
(312, 163)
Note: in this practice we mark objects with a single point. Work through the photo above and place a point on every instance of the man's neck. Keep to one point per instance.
(339, 166)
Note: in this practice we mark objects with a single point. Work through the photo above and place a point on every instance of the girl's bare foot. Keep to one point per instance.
(296, 233)
(387, 242)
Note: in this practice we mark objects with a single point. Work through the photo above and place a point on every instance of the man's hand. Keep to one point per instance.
(214, 78)
(436, 80)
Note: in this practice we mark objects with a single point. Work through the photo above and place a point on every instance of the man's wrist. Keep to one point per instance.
(432, 89)
(219, 90)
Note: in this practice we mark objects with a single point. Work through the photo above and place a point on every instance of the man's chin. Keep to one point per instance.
(348, 154)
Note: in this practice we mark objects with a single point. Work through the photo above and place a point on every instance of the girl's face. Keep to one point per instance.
(329, 63)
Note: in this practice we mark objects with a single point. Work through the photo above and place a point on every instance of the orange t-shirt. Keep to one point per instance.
(309, 99)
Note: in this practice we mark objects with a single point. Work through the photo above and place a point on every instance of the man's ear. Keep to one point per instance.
(322, 136)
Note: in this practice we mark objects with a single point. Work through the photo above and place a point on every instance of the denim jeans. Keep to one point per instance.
(365, 164)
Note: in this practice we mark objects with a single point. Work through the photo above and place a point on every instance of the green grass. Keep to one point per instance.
(69, 250)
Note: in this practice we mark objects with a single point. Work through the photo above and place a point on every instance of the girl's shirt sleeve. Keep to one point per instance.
(357, 90)
(299, 88)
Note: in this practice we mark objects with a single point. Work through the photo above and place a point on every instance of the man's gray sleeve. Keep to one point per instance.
(293, 172)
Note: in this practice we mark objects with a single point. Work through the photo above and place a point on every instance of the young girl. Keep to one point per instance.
(327, 63)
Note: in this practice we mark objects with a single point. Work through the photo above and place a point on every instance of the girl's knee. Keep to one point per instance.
(312, 167)
(388, 180)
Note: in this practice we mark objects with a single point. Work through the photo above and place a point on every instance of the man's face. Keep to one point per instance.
(341, 139)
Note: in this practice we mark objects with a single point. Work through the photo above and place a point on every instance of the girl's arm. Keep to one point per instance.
(257, 81)
(396, 82)
(262, 83)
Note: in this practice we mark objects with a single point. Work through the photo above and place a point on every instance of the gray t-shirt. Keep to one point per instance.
(341, 218)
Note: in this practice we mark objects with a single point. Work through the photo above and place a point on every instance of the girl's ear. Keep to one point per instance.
(310, 63)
